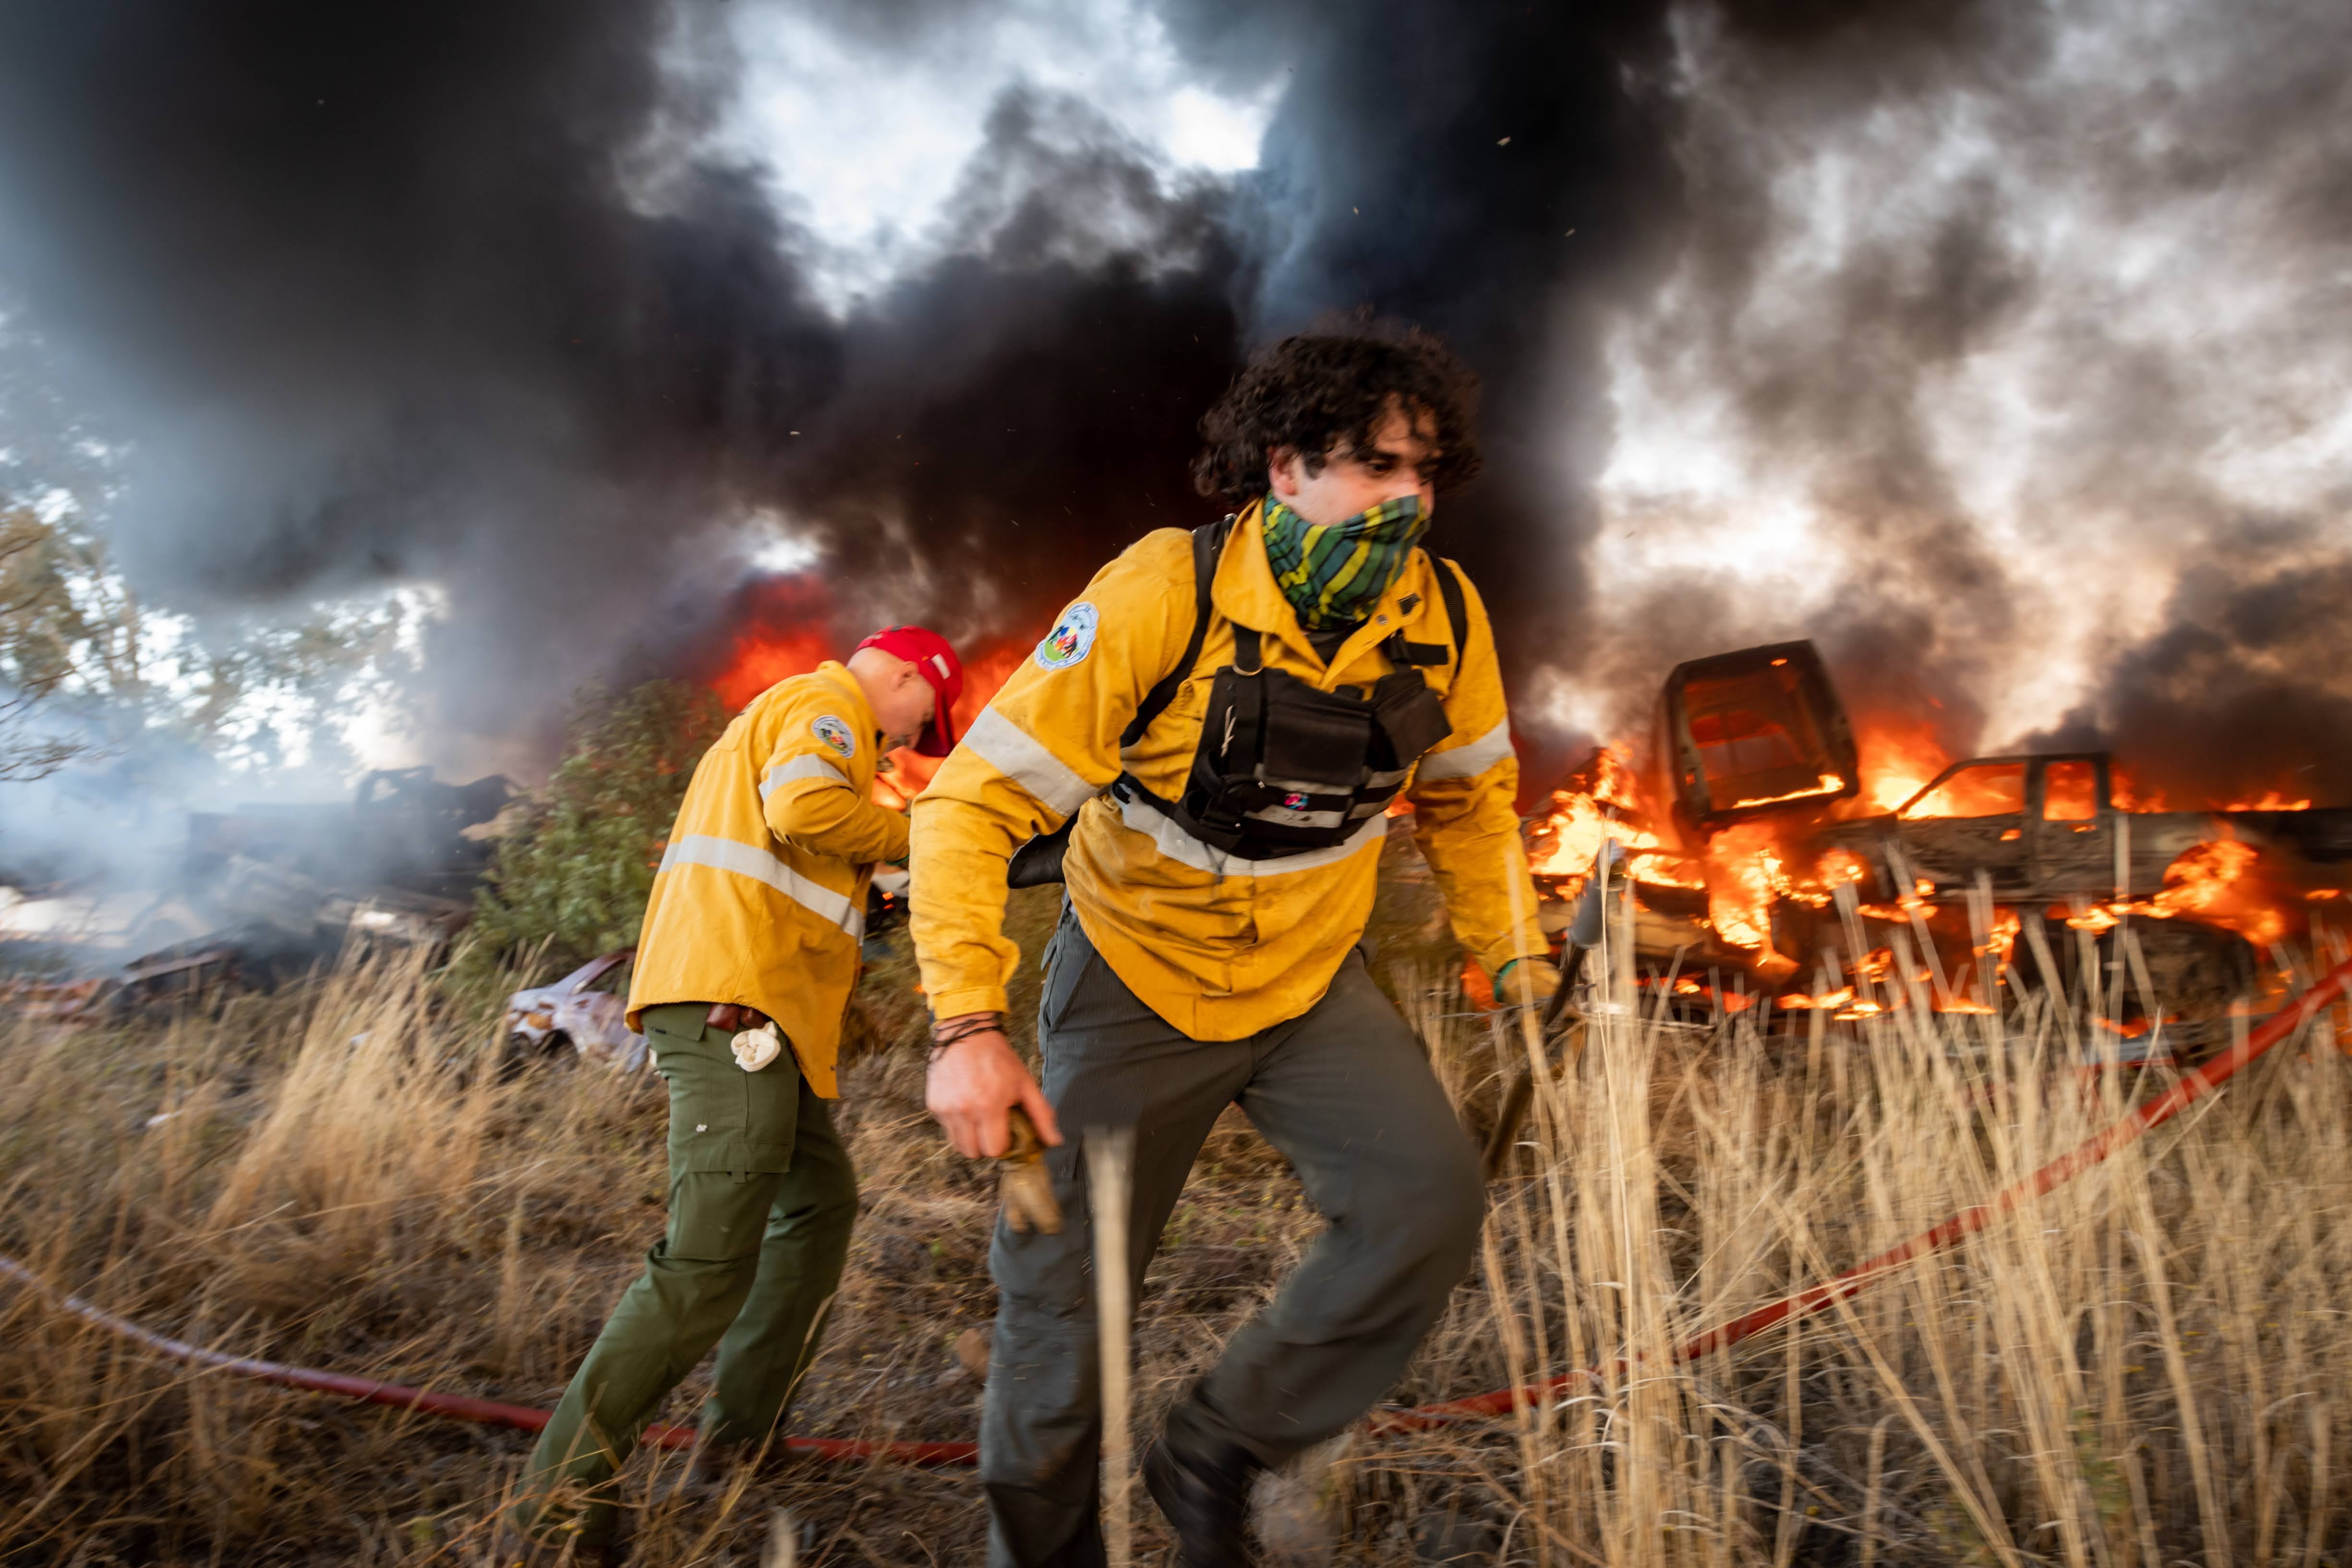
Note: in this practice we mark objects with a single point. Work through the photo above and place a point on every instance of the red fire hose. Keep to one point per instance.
(2192, 1087)
(2135, 1124)
(455, 1407)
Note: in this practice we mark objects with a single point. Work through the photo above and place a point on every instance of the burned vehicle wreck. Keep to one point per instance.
(585, 1011)
(1765, 866)
(263, 892)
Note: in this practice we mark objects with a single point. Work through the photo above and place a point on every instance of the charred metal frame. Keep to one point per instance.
(1784, 690)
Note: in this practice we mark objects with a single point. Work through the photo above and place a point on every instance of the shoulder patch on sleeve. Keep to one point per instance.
(1072, 638)
(835, 734)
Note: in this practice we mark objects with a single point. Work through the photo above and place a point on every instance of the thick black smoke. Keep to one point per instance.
(2244, 693)
(1502, 174)
(450, 293)
(2139, 214)
(1012, 415)
(388, 291)
(462, 294)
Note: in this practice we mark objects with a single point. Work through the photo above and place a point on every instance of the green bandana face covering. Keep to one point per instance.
(1333, 574)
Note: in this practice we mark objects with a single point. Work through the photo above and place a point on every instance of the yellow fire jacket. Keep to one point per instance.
(760, 898)
(1221, 948)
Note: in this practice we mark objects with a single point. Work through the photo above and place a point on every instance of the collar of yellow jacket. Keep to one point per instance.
(836, 672)
(1245, 591)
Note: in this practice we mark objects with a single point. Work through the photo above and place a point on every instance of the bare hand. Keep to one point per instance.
(971, 1086)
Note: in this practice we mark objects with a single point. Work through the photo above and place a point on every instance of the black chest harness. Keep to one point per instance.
(1282, 767)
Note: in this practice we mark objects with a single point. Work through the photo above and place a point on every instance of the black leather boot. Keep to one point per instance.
(1203, 1485)
(708, 1471)
(513, 1548)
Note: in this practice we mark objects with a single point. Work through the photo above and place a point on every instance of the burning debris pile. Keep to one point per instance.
(262, 894)
(1777, 856)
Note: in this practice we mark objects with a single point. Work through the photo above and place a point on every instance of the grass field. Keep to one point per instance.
(2152, 1366)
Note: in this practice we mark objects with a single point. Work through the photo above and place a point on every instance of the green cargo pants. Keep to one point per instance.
(761, 1200)
(1346, 1092)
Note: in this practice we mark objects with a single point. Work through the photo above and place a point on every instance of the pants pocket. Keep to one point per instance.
(718, 1217)
(1068, 960)
(722, 1120)
(731, 1137)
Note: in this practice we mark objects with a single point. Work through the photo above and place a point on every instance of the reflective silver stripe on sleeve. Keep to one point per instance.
(1186, 850)
(747, 860)
(806, 766)
(1468, 762)
(1009, 749)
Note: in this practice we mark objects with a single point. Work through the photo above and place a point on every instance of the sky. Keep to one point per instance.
(865, 139)
(2002, 349)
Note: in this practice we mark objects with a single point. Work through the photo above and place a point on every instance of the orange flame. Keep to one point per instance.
(1750, 868)
(2215, 883)
(1991, 789)
(1829, 784)
(1898, 757)
(1744, 871)
(2094, 918)
(2270, 800)
(2002, 940)
(2220, 883)
(2070, 792)
(1843, 866)
(762, 657)
(2130, 797)
(1568, 841)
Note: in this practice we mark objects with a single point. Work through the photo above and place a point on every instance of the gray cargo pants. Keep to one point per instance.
(1345, 1092)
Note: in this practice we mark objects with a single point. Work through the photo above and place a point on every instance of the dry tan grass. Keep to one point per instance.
(2150, 1367)
(2146, 1367)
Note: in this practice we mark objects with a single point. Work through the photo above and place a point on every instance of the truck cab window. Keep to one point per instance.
(2070, 792)
(1987, 789)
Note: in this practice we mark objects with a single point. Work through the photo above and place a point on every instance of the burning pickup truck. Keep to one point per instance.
(1761, 868)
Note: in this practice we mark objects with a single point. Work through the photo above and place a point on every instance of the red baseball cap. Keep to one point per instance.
(929, 652)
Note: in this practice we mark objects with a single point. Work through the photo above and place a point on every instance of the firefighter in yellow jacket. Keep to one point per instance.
(1220, 723)
(748, 952)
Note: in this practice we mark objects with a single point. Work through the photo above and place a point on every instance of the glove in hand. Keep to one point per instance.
(755, 1048)
(1024, 1188)
(1527, 982)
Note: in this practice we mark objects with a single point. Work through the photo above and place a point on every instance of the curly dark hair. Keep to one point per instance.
(1327, 389)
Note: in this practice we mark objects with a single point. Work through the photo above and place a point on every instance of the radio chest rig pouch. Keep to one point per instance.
(1282, 768)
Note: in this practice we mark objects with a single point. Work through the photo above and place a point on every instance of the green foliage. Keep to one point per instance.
(32, 602)
(573, 876)
(91, 673)
(2104, 1482)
